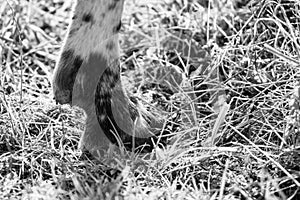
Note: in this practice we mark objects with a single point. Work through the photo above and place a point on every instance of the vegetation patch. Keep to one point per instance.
(233, 103)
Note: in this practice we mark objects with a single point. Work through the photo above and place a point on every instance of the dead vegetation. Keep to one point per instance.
(244, 146)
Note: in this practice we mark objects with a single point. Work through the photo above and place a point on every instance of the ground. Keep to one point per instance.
(239, 140)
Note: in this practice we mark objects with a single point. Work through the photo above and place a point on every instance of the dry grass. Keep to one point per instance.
(244, 148)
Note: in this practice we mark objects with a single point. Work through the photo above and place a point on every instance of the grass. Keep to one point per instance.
(240, 141)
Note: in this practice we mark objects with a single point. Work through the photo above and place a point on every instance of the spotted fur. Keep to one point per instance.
(88, 75)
